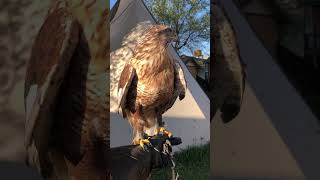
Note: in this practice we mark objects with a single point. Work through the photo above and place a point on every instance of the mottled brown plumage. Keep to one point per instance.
(150, 82)
(67, 93)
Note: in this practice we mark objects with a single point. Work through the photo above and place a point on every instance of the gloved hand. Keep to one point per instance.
(135, 163)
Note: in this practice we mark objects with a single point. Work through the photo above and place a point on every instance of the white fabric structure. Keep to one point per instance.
(275, 136)
(189, 118)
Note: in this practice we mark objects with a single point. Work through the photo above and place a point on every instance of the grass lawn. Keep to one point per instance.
(191, 163)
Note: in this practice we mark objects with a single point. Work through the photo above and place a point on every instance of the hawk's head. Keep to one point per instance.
(165, 34)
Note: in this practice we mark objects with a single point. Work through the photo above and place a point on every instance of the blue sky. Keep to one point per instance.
(112, 2)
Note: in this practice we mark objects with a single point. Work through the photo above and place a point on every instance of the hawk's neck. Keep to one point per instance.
(152, 51)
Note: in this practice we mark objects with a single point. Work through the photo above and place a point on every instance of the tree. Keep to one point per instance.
(190, 19)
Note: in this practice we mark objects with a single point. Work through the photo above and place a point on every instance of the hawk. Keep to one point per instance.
(67, 92)
(149, 83)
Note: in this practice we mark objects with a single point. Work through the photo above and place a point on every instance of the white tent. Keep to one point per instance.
(189, 118)
(275, 135)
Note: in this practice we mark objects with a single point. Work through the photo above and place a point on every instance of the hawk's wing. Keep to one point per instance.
(228, 72)
(125, 80)
(179, 80)
(51, 53)
(180, 88)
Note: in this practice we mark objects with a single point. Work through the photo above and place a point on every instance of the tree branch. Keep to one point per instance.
(186, 41)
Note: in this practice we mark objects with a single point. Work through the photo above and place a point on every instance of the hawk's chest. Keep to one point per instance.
(155, 79)
(153, 65)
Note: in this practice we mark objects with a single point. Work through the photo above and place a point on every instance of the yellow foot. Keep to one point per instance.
(142, 142)
(163, 131)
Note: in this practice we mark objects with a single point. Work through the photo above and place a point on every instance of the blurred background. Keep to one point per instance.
(290, 32)
(276, 134)
(19, 23)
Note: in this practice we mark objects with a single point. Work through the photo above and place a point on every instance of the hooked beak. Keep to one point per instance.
(174, 38)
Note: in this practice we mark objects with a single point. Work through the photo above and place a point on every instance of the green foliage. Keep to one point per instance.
(192, 163)
(190, 19)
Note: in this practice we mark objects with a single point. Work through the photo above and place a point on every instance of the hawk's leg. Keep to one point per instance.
(159, 119)
(138, 124)
(161, 128)
(152, 122)
(141, 139)
(164, 131)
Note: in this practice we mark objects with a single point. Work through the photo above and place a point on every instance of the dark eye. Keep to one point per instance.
(166, 31)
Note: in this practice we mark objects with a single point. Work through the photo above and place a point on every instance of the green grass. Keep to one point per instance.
(191, 163)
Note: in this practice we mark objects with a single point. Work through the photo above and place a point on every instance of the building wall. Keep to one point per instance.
(193, 70)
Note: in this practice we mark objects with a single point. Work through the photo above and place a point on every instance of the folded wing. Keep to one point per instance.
(126, 77)
(50, 57)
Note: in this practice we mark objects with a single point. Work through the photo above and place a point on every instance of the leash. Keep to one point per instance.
(167, 151)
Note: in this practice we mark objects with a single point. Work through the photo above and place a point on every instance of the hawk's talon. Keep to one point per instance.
(163, 131)
(143, 142)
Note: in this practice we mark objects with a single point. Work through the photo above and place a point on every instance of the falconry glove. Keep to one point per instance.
(135, 163)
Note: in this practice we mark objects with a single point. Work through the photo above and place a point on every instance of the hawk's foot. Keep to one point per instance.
(162, 130)
(142, 143)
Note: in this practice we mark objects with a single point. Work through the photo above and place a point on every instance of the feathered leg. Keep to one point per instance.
(155, 125)
(161, 128)
(152, 122)
(137, 122)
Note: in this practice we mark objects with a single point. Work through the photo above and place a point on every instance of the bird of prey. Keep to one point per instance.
(67, 92)
(150, 83)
